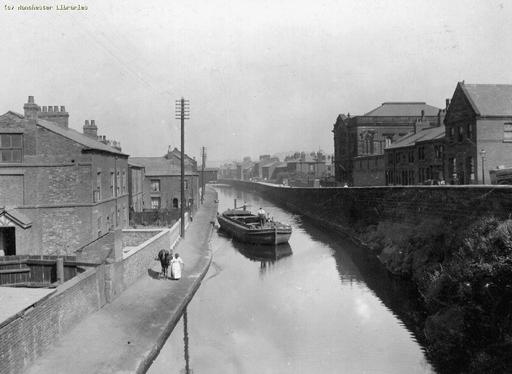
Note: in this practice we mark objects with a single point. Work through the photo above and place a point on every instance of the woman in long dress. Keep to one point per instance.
(176, 266)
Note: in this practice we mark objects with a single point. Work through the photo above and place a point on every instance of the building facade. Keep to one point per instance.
(162, 184)
(416, 158)
(478, 132)
(372, 132)
(59, 189)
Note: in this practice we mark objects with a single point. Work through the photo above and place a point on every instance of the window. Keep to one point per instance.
(118, 183)
(97, 191)
(421, 153)
(507, 132)
(112, 183)
(155, 185)
(11, 148)
(175, 203)
(470, 131)
(186, 182)
(124, 181)
(452, 132)
(461, 133)
(155, 203)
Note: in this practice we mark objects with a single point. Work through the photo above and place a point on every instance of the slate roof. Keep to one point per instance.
(403, 109)
(489, 99)
(159, 166)
(78, 137)
(411, 139)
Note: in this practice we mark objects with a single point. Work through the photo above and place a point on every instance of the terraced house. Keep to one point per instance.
(59, 189)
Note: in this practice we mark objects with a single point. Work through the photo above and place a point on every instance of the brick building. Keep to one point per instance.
(479, 119)
(162, 183)
(370, 133)
(416, 158)
(59, 189)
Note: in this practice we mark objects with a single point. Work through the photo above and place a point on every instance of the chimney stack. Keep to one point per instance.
(31, 109)
(53, 114)
(90, 129)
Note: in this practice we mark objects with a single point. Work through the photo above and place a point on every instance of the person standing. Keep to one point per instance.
(176, 266)
(262, 215)
(164, 257)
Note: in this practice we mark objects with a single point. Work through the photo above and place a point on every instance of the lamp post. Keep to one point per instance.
(482, 155)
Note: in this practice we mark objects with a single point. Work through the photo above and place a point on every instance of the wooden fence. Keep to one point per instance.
(36, 271)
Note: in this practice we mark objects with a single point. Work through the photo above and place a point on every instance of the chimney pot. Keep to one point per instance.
(50, 108)
(45, 109)
(62, 108)
(55, 108)
(93, 122)
(86, 122)
(31, 99)
(447, 103)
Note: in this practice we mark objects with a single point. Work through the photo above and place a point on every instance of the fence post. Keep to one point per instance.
(60, 270)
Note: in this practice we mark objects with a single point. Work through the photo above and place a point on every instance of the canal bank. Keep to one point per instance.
(127, 334)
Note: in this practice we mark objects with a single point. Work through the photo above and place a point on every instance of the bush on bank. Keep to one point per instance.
(464, 273)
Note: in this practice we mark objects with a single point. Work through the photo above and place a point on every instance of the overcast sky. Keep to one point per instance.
(261, 76)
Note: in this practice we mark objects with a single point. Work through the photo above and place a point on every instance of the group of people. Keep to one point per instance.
(166, 258)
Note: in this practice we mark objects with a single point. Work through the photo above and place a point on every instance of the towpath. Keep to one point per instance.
(127, 334)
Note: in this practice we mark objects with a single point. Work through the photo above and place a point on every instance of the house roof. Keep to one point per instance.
(403, 109)
(411, 139)
(489, 99)
(159, 166)
(78, 137)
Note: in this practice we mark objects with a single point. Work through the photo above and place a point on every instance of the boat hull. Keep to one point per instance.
(254, 236)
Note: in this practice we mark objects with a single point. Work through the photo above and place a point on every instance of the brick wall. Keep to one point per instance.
(24, 337)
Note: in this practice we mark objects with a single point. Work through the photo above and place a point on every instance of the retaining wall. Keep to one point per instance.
(348, 209)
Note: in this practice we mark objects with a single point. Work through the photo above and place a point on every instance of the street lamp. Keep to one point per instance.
(482, 155)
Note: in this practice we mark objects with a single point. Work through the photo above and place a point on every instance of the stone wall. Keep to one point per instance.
(349, 209)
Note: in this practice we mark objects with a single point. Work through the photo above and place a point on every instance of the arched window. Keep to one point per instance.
(175, 203)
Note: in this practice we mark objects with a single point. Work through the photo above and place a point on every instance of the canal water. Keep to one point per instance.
(317, 305)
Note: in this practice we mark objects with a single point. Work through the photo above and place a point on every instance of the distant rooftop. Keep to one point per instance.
(403, 109)
(159, 166)
(408, 140)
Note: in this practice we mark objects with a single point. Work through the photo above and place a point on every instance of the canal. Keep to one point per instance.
(317, 305)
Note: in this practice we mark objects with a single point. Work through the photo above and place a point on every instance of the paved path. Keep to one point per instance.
(126, 335)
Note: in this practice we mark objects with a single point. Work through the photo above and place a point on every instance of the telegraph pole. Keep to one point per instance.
(182, 113)
(203, 158)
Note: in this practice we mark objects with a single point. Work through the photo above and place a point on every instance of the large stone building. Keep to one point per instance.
(59, 189)
(162, 183)
(369, 134)
(478, 132)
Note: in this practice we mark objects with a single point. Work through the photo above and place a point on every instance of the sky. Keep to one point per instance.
(262, 77)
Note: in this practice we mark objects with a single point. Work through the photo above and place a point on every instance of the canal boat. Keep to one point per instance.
(246, 227)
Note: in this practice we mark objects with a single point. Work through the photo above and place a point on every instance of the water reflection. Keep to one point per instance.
(266, 255)
(187, 369)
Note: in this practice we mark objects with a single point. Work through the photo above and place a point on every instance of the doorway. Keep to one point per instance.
(8, 241)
